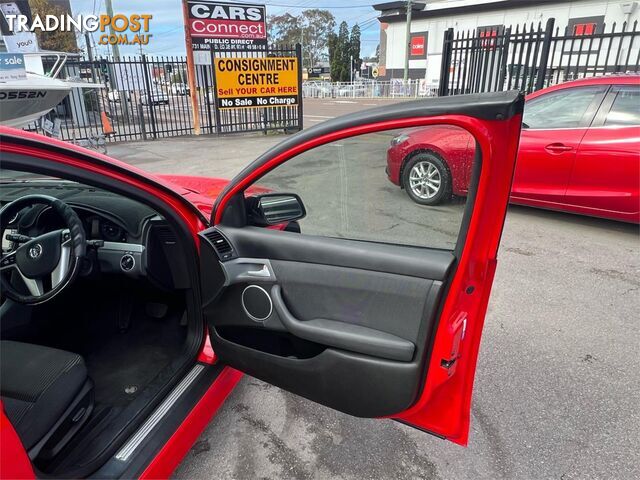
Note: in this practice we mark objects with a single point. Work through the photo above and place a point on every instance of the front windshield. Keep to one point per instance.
(15, 176)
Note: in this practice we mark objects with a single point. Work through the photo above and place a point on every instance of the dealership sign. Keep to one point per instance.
(256, 82)
(226, 26)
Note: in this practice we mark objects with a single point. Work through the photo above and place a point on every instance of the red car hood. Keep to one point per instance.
(202, 191)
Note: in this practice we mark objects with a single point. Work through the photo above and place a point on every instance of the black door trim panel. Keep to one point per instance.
(354, 338)
(360, 384)
(260, 243)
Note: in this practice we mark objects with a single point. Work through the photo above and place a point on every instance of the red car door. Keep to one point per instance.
(606, 177)
(341, 311)
(553, 126)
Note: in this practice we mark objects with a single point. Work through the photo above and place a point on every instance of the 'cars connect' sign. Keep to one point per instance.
(227, 26)
(256, 82)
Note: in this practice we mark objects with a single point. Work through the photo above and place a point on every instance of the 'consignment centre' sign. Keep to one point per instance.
(256, 82)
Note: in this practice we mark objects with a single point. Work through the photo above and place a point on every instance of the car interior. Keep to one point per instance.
(82, 369)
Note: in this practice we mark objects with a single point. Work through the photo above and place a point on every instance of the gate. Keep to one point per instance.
(145, 98)
(136, 98)
(530, 58)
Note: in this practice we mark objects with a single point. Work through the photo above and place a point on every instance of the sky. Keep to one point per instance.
(167, 24)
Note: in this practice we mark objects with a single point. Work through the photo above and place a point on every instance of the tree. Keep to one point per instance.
(57, 40)
(334, 57)
(311, 28)
(284, 28)
(317, 25)
(344, 52)
(354, 47)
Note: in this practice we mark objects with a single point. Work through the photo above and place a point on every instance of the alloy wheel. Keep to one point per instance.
(425, 179)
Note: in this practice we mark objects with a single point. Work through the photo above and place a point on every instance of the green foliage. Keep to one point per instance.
(334, 56)
(311, 28)
(354, 47)
(58, 40)
(314, 29)
(284, 29)
(318, 25)
(344, 52)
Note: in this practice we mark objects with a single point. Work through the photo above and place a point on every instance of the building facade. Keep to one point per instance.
(430, 20)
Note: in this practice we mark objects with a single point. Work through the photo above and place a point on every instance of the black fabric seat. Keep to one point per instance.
(46, 394)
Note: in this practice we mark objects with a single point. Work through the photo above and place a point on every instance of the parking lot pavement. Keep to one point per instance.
(318, 110)
(206, 155)
(556, 392)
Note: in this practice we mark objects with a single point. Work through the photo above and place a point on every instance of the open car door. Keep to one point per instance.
(322, 278)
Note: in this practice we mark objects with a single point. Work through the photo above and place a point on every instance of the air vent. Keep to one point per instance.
(166, 235)
(220, 244)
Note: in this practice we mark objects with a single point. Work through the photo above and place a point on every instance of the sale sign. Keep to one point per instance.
(226, 26)
(256, 82)
(12, 67)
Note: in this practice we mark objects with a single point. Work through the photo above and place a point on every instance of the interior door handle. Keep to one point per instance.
(346, 336)
(242, 270)
(558, 148)
(263, 272)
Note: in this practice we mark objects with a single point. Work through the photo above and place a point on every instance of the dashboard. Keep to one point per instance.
(124, 237)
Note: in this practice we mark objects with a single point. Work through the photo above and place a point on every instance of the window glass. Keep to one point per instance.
(561, 109)
(626, 107)
(351, 188)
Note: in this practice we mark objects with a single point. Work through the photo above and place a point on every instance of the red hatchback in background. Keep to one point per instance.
(579, 152)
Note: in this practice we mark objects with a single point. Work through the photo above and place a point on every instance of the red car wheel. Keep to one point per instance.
(427, 179)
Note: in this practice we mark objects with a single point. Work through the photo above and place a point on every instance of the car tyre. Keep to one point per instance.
(427, 179)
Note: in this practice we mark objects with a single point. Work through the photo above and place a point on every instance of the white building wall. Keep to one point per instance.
(562, 12)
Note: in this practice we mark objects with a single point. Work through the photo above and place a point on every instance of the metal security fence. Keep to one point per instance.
(286, 118)
(532, 57)
(134, 98)
(369, 89)
(145, 98)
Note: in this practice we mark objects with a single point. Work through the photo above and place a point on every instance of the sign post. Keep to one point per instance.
(300, 110)
(191, 70)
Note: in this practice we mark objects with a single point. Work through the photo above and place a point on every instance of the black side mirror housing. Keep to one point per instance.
(274, 209)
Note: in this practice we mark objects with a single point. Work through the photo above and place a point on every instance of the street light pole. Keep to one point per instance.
(115, 50)
(407, 42)
(351, 68)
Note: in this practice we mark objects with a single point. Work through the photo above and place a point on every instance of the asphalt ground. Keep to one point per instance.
(558, 382)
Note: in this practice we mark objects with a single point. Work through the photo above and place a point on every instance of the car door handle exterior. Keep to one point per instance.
(346, 336)
(558, 148)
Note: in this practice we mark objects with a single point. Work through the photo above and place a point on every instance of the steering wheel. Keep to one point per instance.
(46, 264)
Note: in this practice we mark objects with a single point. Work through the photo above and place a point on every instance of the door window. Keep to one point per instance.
(626, 107)
(403, 186)
(567, 108)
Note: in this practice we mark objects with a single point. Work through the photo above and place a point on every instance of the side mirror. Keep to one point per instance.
(274, 209)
